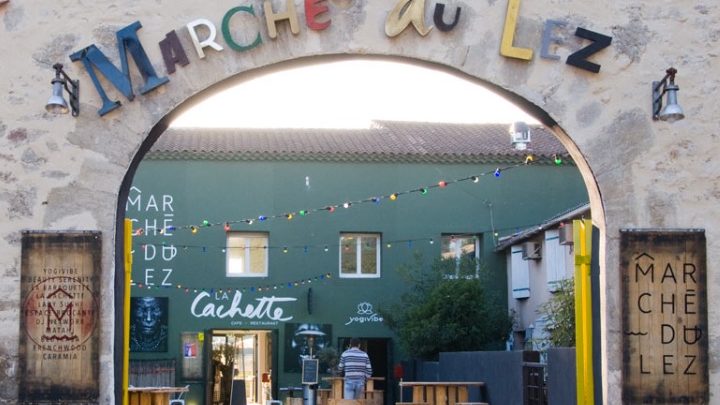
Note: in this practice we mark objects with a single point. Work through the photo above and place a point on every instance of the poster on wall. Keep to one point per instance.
(303, 341)
(148, 324)
(665, 326)
(59, 337)
(192, 355)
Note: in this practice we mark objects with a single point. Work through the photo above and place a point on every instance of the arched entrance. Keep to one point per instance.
(158, 130)
(69, 173)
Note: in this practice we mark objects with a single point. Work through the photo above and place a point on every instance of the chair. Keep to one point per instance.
(178, 400)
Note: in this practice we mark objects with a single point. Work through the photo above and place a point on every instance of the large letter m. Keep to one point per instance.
(127, 40)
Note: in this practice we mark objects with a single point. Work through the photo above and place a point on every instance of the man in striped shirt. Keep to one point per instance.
(355, 363)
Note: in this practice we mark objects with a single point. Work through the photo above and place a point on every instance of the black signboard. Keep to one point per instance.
(310, 371)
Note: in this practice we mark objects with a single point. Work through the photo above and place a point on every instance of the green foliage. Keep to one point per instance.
(559, 311)
(448, 308)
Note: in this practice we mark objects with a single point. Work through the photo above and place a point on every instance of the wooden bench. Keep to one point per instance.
(441, 392)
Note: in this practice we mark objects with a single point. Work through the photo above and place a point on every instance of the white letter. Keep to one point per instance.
(210, 41)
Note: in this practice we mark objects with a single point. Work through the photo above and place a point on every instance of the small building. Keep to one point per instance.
(539, 258)
(257, 248)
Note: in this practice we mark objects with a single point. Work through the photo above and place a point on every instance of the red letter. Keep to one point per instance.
(312, 9)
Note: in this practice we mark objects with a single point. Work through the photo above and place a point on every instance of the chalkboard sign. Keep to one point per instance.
(310, 371)
(237, 393)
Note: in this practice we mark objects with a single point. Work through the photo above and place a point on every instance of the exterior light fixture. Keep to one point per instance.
(57, 104)
(520, 135)
(672, 111)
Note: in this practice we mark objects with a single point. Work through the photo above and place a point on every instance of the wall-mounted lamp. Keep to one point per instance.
(672, 111)
(520, 135)
(56, 103)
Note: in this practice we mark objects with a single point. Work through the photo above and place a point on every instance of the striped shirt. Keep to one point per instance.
(356, 364)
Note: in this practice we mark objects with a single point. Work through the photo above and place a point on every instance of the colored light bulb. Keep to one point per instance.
(497, 172)
(193, 229)
(289, 216)
(423, 190)
(347, 205)
(475, 179)
(393, 196)
(442, 183)
(262, 217)
(303, 213)
(227, 227)
(330, 208)
(206, 223)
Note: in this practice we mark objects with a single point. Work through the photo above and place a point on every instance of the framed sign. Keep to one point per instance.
(192, 355)
(59, 339)
(664, 325)
(310, 370)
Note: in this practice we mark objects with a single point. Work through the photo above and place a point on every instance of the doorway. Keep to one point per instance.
(380, 352)
(240, 367)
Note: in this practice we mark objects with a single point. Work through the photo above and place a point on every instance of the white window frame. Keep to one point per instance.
(241, 240)
(358, 254)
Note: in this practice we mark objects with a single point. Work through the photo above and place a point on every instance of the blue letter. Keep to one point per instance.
(127, 40)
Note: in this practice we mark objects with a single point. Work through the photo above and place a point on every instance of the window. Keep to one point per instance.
(360, 255)
(460, 246)
(247, 254)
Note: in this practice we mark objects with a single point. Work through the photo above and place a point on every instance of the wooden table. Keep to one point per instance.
(153, 395)
(441, 392)
(337, 385)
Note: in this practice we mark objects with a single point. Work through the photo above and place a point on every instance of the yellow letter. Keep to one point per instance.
(506, 46)
(271, 18)
(404, 13)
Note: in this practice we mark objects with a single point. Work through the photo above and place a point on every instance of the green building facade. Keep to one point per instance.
(253, 247)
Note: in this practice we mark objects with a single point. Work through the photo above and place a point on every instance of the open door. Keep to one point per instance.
(239, 367)
(380, 352)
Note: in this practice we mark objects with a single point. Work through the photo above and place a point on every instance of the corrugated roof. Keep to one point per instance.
(508, 241)
(390, 141)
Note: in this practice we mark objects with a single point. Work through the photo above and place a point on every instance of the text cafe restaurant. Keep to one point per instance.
(601, 79)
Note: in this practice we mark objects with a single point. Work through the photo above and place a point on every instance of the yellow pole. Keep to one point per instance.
(582, 238)
(127, 238)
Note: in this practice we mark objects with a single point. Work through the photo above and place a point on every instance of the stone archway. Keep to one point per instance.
(68, 173)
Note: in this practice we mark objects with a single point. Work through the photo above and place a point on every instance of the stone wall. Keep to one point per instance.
(60, 172)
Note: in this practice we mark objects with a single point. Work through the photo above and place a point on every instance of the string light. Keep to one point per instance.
(289, 216)
(557, 159)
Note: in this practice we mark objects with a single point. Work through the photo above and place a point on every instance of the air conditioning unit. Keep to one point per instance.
(565, 234)
(531, 251)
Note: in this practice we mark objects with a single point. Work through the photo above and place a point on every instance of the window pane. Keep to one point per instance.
(348, 255)
(369, 255)
(466, 246)
(258, 255)
(235, 255)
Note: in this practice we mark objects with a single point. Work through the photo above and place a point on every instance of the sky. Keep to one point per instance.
(350, 94)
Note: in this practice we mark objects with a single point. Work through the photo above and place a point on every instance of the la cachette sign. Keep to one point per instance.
(317, 17)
